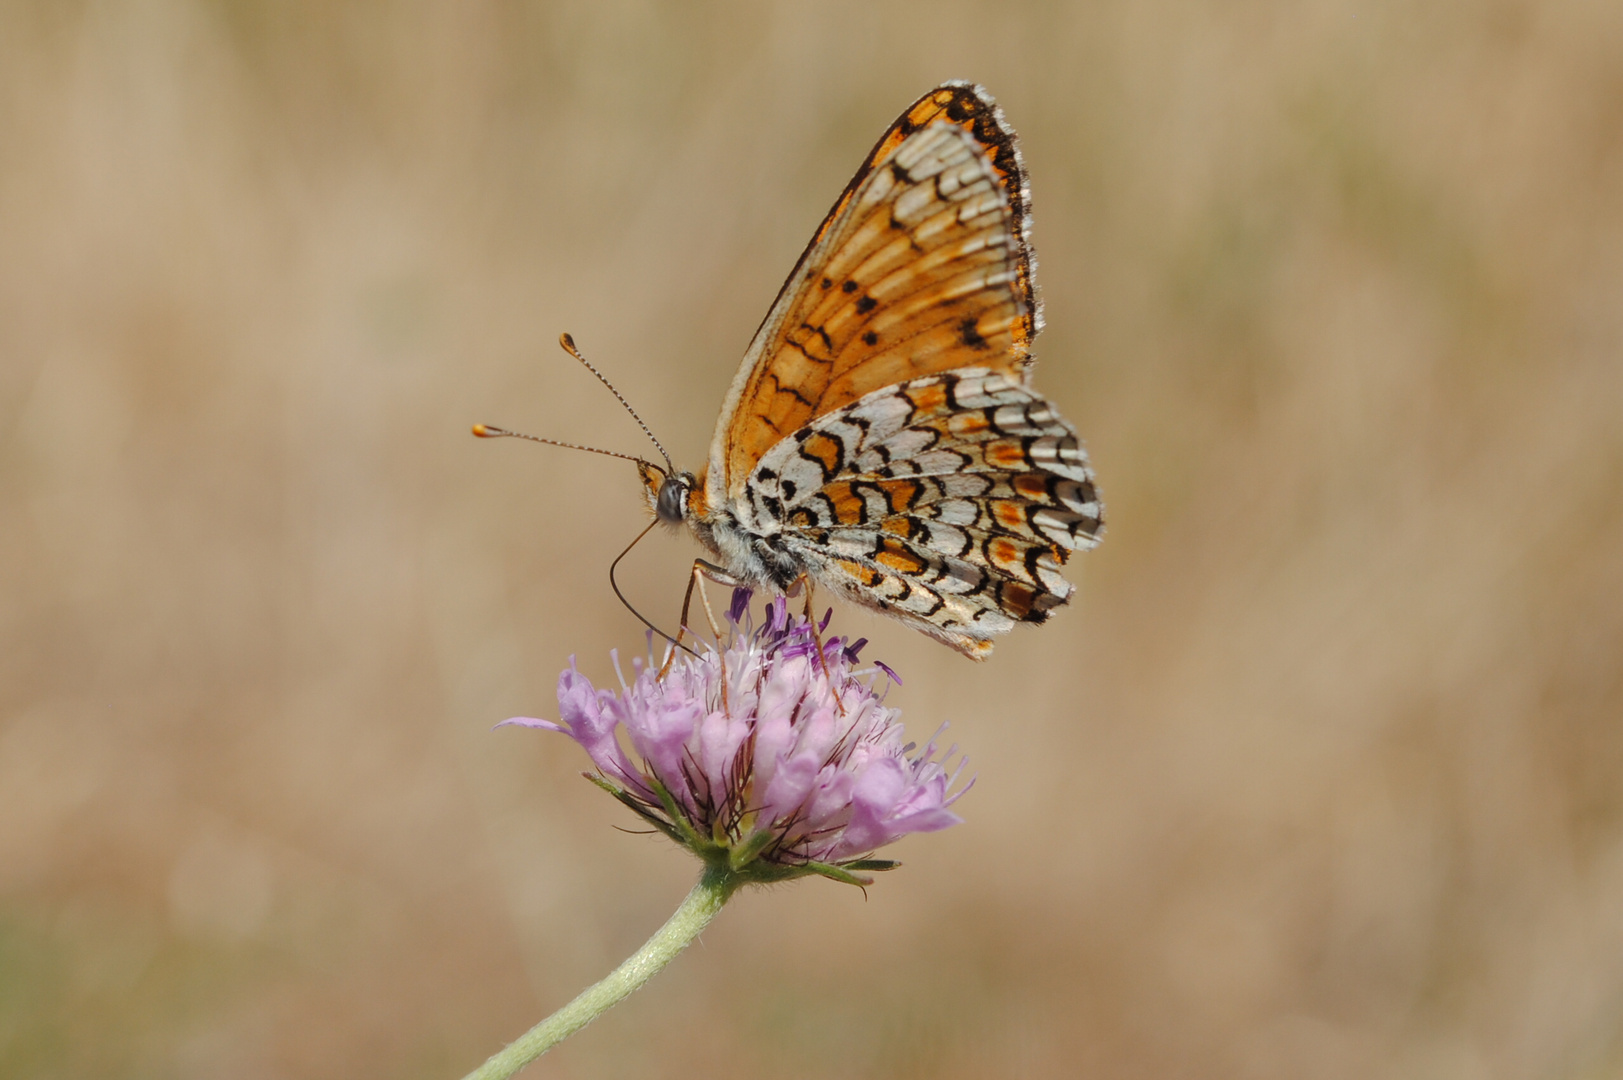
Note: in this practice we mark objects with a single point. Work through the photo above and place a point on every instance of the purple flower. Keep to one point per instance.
(761, 756)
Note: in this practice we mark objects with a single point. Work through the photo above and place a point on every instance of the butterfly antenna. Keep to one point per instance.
(615, 585)
(486, 431)
(568, 344)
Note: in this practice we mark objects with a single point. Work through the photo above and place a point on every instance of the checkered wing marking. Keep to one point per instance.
(922, 266)
(950, 501)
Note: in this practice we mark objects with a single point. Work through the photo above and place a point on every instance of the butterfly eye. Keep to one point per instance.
(673, 496)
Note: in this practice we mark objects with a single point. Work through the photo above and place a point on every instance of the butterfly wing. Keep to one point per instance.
(922, 266)
(949, 501)
(882, 434)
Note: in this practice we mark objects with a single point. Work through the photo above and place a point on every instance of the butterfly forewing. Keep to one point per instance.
(922, 266)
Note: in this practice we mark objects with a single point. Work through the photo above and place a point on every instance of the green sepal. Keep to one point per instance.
(642, 811)
(688, 835)
(747, 852)
(838, 873)
(741, 861)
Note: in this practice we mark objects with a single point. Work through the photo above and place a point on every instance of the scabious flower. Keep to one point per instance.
(760, 757)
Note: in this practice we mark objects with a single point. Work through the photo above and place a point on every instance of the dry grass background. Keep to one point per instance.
(1321, 776)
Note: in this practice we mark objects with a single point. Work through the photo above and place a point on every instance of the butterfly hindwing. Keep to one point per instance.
(950, 501)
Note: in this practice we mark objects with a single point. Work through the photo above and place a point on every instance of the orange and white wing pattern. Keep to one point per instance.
(882, 436)
(922, 266)
(949, 501)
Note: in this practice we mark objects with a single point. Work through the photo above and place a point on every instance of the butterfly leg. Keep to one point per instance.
(682, 623)
(702, 570)
(704, 598)
(804, 581)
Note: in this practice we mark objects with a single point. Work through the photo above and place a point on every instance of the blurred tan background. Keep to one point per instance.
(1320, 776)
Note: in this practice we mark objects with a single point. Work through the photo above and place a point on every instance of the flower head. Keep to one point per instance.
(761, 755)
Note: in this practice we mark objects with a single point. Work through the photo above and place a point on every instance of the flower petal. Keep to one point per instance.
(532, 722)
(768, 751)
(580, 707)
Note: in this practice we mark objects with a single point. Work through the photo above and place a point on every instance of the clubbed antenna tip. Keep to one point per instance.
(568, 344)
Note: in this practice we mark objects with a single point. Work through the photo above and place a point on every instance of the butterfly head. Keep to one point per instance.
(669, 492)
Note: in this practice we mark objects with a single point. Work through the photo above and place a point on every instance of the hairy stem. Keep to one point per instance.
(715, 887)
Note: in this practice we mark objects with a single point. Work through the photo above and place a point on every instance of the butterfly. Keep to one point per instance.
(882, 438)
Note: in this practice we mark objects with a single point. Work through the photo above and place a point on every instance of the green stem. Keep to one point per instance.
(716, 885)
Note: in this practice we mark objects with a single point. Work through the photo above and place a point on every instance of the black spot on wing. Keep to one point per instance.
(778, 387)
(828, 342)
(807, 353)
(822, 466)
(1034, 553)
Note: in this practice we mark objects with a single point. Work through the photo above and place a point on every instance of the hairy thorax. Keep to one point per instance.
(751, 558)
